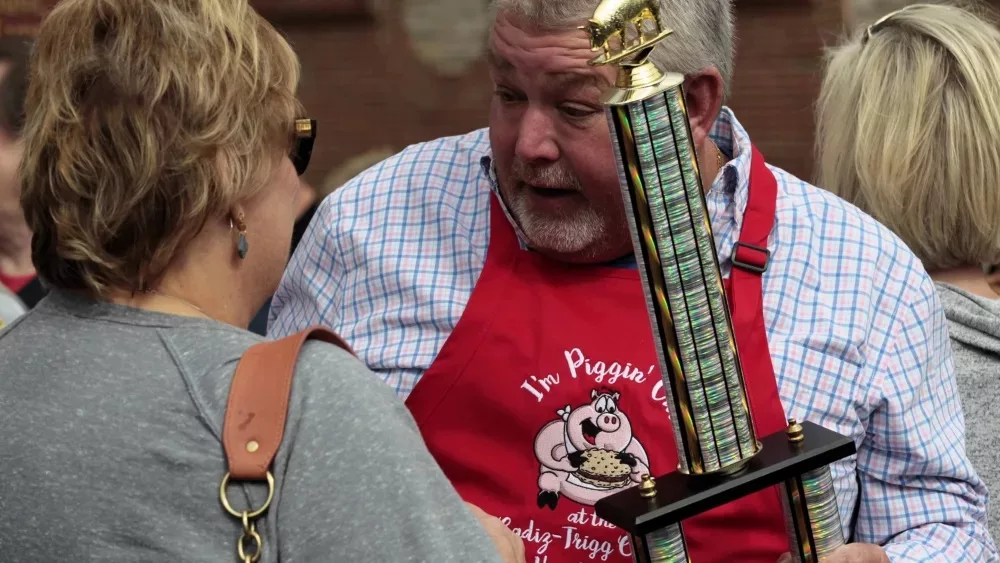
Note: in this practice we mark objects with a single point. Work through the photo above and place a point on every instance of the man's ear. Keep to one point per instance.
(704, 94)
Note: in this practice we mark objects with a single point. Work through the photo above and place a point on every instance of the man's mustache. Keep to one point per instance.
(552, 175)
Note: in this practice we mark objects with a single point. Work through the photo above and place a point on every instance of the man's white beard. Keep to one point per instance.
(562, 235)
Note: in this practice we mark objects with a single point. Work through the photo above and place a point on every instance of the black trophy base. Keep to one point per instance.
(679, 496)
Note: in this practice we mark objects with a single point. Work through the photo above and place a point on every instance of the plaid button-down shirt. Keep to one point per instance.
(857, 336)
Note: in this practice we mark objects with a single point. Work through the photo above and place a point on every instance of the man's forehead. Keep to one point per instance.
(498, 61)
(563, 72)
(513, 43)
(580, 79)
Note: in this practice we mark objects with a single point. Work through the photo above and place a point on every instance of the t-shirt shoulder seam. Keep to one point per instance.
(188, 378)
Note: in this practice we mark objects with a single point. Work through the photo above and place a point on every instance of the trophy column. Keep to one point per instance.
(683, 285)
(675, 251)
(812, 517)
(664, 198)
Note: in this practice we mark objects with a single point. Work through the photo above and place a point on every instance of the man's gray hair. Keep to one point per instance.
(703, 30)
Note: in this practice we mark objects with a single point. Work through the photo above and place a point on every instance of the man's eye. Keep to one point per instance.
(505, 95)
(576, 112)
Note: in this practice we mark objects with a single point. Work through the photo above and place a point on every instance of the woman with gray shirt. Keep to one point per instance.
(161, 159)
(909, 131)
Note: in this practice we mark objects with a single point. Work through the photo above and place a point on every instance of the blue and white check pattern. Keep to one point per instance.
(857, 336)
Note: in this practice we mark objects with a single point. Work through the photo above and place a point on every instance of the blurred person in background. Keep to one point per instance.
(160, 173)
(909, 131)
(17, 273)
(489, 278)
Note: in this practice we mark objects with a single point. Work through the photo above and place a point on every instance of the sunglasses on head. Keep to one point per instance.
(302, 147)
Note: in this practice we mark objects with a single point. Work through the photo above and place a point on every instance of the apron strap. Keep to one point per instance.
(750, 254)
(746, 300)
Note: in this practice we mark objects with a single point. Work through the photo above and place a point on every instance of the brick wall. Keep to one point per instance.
(778, 71)
(22, 17)
(368, 88)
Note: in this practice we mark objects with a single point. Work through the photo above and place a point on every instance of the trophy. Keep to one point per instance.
(720, 456)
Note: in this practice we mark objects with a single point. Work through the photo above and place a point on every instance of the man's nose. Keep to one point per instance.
(536, 137)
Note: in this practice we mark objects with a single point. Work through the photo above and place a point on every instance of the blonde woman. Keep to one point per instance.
(909, 131)
(161, 159)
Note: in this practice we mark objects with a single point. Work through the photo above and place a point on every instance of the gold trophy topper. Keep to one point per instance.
(613, 20)
(620, 30)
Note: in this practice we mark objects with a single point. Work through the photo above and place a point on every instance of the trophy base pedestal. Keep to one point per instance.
(679, 496)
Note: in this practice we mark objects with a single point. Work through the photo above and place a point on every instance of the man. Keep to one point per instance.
(489, 279)
(17, 273)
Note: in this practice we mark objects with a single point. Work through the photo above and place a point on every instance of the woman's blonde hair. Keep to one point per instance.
(146, 119)
(909, 130)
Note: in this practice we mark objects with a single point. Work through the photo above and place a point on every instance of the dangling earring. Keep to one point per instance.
(242, 246)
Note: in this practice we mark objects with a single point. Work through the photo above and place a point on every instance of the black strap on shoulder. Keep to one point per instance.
(32, 293)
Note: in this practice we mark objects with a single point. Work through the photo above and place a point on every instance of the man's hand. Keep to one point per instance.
(508, 543)
(851, 553)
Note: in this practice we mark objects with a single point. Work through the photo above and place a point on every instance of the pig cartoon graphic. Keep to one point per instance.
(588, 453)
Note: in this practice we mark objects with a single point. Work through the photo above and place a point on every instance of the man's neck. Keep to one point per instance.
(710, 161)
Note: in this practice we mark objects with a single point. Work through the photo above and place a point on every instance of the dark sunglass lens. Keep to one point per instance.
(301, 154)
(305, 130)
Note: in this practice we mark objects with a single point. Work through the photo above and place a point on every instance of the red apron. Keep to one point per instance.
(547, 397)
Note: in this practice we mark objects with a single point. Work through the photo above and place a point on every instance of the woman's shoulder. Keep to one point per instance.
(325, 375)
(351, 442)
(327, 379)
(318, 361)
(328, 376)
(344, 421)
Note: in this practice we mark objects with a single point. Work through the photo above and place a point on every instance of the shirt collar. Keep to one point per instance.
(489, 170)
(732, 182)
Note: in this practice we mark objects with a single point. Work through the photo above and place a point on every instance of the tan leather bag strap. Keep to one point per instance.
(255, 423)
(258, 402)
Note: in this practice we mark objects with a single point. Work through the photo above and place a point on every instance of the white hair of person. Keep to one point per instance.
(908, 125)
(704, 34)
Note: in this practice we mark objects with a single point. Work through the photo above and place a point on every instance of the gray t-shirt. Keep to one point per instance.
(974, 326)
(110, 433)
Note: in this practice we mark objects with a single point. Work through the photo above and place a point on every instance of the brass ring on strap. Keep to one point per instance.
(250, 514)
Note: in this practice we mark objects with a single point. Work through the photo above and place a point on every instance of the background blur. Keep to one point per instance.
(382, 74)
